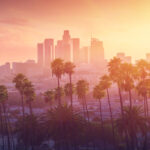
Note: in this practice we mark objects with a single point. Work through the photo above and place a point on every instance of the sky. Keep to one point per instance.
(122, 25)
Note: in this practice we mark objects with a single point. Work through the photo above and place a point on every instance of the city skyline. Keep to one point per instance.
(122, 26)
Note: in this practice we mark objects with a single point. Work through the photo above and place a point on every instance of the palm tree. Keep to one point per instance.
(19, 80)
(105, 83)
(98, 93)
(67, 89)
(58, 70)
(82, 88)
(69, 69)
(4, 120)
(134, 123)
(29, 94)
(115, 72)
(59, 92)
(49, 96)
(129, 74)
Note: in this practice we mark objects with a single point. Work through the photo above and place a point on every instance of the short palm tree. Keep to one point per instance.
(69, 69)
(19, 81)
(57, 67)
(29, 94)
(82, 88)
(67, 90)
(134, 123)
(49, 96)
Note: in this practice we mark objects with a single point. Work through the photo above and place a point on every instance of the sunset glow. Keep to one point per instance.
(123, 26)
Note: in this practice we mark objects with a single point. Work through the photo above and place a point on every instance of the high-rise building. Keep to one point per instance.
(66, 46)
(40, 58)
(49, 51)
(63, 47)
(84, 55)
(96, 51)
(124, 58)
(76, 50)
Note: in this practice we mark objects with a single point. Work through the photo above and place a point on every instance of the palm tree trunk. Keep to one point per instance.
(121, 101)
(147, 105)
(59, 98)
(101, 118)
(130, 98)
(30, 107)
(111, 116)
(70, 78)
(22, 103)
(87, 109)
(2, 127)
(122, 113)
(7, 128)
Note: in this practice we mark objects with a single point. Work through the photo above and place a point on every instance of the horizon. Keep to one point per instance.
(123, 27)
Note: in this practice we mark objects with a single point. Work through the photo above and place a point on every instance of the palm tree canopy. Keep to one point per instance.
(133, 120)
(69, 68)
(59, 92)
(129, 73)
(67, 89)
(105, 82)
(143, 87)
(3, 93)
(114, 68)
(142, 66)
(49, 96)
(29, 91)
(82, 88)
(57, 67)
(98, 92)
(19, 80)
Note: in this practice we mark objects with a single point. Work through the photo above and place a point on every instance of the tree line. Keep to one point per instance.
(63, 127)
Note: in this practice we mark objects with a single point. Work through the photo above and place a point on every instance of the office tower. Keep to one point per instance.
(76, 49)
(40, 54)
(96, 52)
(84, 55)
(148, 57)
(49, 51)
(121, 56)
(63, 47)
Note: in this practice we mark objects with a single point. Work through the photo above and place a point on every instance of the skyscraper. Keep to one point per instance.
(96, 51)
(49, 51)
(40, 54)
(66, 46)
(84, 55)
(63, 47)
(76, 49)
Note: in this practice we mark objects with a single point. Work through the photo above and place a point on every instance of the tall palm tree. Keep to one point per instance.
(82, 88)
(143, 68)
(115, 72)
(105, 83)
(129, 74)
(69, 69)
(19, 81)
(57, 67)
(49, 96)
(4, 120)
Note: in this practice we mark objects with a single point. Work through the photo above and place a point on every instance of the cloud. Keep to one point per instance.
(14, 21)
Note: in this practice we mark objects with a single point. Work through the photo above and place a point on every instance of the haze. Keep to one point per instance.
(123, 26)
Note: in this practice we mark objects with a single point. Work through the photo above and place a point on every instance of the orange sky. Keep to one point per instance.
(123, 25)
